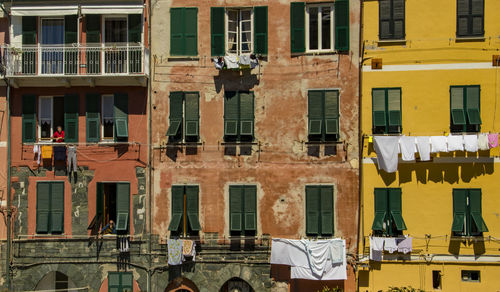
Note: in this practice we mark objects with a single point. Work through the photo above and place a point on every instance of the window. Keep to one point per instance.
(313, 30)
(470, 18)
(108, 117)
(243, 210)
(184, 117)
(471, 276)
(111, 122)
(120, 282)
(183, 31)
(50, 207)
(184, 211)
(52, 36)
(386, 116)
(388, 219)
(238, 31)
(323, 115)
(436, 280)
(238, 116)
(319, 210)
(113, 204)
(465, 108)
(392, 19)
(467, 217)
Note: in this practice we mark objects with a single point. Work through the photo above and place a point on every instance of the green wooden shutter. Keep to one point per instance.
(57, 207)
(99, 199)
(231, 113)
(396, 209)
(192, 195)
(71, 114)
(176, 111)
(250, 205)
(380, 209)
(29, 118)
(260, 30)
(394, 106)
(398, 19)
(29, 30)
(315, 107)
(177, 37)
(462, 17)
(42, 207)
(192, 101)
(326, 210)
(332, 112)
(70, 29)
(114, 281)
(93, 28)
(378, 107)
(473, 113)
(312, 209)
(127, 282)
(385, 17)
(297, 27)
(122, 206)
(457, 105)
(177, 207)
(235, 208)
(217, 25)
(475, 210)
(191, 31)
(92, 117)
(246, 113)
(477, 18)
(135, 28)
(342, 25)
(121, 115)
(459, 210)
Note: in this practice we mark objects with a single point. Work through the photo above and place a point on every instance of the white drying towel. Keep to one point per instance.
(390, 244)
(482, 141)
(288, 252)
(471, 143)
(405, 245)
(244, 60)
(231, 62)
(408, 148)
(387, 149)
(376, 248)
(455, 143)
(438, 144)
(424, 148)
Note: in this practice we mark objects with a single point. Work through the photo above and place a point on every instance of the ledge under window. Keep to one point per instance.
(392, 42)
(470, 39)
(182, 58)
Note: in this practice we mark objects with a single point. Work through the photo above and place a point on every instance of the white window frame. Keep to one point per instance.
(238, 32)
(332, 28)
(103, 97)
(51, 98)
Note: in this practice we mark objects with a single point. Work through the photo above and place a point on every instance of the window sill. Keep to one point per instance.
(182, 58)
(316, 53)
(236, 143)
(324, 142)
(185, 143)
(392, 42)
(459, 39)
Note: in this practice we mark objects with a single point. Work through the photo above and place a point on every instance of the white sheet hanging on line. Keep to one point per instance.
(482, 141)
(438, 144)
(471, 143)
(387, 149)
(408, 148)
(424, 147)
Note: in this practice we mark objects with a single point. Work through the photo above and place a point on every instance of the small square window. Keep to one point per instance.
(471, 276)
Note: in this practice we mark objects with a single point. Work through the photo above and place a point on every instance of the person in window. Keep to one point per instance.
(58, 135)
(110, 228)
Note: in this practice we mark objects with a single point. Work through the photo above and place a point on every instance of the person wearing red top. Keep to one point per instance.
(58, 135)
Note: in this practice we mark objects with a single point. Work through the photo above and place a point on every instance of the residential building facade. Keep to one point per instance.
(429, 72)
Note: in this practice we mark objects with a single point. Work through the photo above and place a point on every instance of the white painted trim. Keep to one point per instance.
(373, 160)
(434, 258)
(332, 27)
(424, 67)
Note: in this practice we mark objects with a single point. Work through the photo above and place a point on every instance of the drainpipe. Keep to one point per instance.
(9, 213)
(150, 149)
(361, 236)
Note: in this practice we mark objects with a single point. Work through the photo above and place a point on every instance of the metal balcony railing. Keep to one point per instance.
(73, 60)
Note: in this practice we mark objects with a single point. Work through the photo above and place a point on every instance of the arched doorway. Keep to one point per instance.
(236, 285)
(181, 284)
(55, 281)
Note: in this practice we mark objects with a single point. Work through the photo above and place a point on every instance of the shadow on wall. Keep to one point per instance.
(477, 244)
(233, 81)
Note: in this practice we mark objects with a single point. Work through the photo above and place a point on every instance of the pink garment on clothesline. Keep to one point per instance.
(493, 140)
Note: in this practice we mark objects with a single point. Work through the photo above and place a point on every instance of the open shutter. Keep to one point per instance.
(297, 25)
(260, 30)
(394, 106)
(191, 31)
(342, 25)
(315, 106)
(29, 30)
(177, 37)
(378, 107)
(29, 118)
(457, 106)
(42, 207)
(326, 210)
(246, 113)
(395, 208)
(459, 210)
(57, 207)
(380, 209)
(462, 17)
(192, 114)
(385, 17)
(398, 19)
(71, 113)
(235, 208)
(477, 17)
(332, 112)
(473, 113)
(475, 210)
(122, 206)
(177, 207)
(231, 113)
(93, 39)
(192, 195)
(135, 28)
(70, 38)
(121, 115)
(175, 117)
(250, 203)
(92, 117)
(217, 25)
(99, 199)
(312, 209)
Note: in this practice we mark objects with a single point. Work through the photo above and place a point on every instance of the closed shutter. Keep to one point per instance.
(127, 282)
(177, 207)
(379, 108)
(297, 27)
(191, 31)
(92, 117)
(121, 115)
(260, 30)
(463, 17)
(250, 203)
(332, 112)
(246, 113)
(326, 210)
(342, 25)
(394, 106)
(93, 28)
(217, 25)
(122, 206)
(475, 210)
(114, 281)
(29, 30)
(192, 195)
(312, 209)
(231, 113)
(235, 208)
(57, 207)
(42, 207)
(457, 105)
(71, 114)
(192, 101)
(380, 209)
(396, 209)
(473, 113)
(459, 210)
(477, 16)
(135, 28)
(29, 118)
(385, 17)
(70, 37)
(398, 19)
(315, 106)
(175, 117)
(177, 38)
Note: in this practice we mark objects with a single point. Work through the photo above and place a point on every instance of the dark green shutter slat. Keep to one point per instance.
(297, 25)
(99, 199)
(121, 115)
(231, 113)
(29, 118)
(123, 204)
(326, 210)
(260, 30)
(127, 281)
(246, 113)
(191, 31)
(331, 112)
(380, 198)
(134, 28)
(315, 108)
(399, 19)
(475, 210)
(92, 117)
(312, 209)
(114, 280)
(459, 210)
(29, 30)
(42, 207)
(457, 106)
(342, 25)
(477, 18)
(235, 207)
(250, 203)
(176, 112)
(177, 207)
(394, 106)
(379, 108)
(385, 19)
(473, 112)
(395, 208)
(70, 29)
(71, 114)
(57, 207)
(217, 25)
(192, 195)
(192, 101)
(177, 37)
(93, 28)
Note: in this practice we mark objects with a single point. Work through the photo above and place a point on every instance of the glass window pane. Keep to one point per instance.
(46, 108)
(115, 30)
(326, 26)
(107, 107)
(52, 31)
(246, 26)
(245, 15)
(313, 28)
